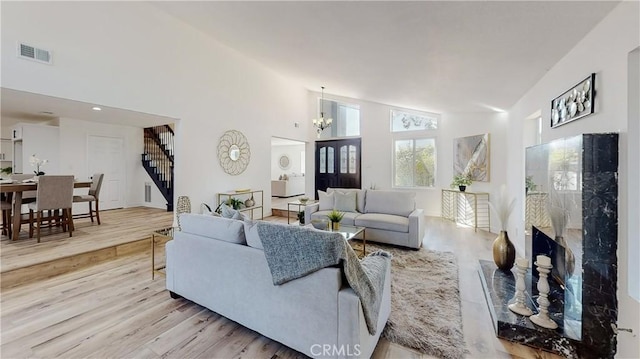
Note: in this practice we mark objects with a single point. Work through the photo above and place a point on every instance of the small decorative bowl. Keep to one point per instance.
(321, 224)
(303, 200)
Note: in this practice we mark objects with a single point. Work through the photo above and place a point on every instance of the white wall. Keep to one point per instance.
(377, 145)
(633, 116)
(133, 56)
(74, 135)
(603, 51)
(294, 154)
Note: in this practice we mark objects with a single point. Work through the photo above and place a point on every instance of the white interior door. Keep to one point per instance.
(106, 155)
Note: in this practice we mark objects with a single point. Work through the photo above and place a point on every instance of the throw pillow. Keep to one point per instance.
(344, 201)
(325, 201)
(228, 212)
(251, 233)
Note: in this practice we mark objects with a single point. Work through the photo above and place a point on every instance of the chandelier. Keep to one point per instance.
(321, 123)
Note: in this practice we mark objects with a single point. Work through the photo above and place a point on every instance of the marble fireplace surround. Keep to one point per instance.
(587, 313)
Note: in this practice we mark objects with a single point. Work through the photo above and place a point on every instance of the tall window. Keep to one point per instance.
(414, 162)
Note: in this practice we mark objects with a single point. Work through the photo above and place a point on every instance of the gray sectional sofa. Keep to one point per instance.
(389, 216)
(218, 263)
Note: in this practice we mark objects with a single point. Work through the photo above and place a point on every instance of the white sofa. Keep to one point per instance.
(210, 263)
(293, 186)
(388, 216)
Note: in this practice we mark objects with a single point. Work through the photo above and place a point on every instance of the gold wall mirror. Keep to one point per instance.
(233, 152)
(284, 162)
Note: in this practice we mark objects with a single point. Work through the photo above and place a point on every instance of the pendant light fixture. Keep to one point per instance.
(321, 123)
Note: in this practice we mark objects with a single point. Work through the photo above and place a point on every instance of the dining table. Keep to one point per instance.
(15, 190)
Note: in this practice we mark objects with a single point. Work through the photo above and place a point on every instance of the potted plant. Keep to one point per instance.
(37, 163)
(335, 217)
(529, 185)
(235, 203)
(461, 180)
(6, 170)
(301, 218)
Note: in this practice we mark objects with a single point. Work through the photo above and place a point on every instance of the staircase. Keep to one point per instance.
(157, 159)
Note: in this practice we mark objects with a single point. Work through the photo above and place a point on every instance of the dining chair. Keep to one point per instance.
(93, 196)
(54, 193)
(6, 217)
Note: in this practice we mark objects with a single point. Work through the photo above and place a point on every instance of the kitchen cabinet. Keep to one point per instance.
(40, 140)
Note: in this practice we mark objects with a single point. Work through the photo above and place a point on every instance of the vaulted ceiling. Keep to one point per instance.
(443, 56)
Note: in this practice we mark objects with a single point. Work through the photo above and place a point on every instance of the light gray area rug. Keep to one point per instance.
(425, 302)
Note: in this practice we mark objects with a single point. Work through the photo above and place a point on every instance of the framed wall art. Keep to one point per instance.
(471, 157)
(575, 103)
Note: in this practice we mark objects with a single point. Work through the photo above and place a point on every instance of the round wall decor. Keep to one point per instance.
(284, 162)
(233, 152)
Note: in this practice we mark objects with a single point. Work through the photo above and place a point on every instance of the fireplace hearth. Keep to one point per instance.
(577, 177)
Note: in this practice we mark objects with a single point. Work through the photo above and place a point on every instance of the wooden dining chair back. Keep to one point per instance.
(54, 193)
(93, 196)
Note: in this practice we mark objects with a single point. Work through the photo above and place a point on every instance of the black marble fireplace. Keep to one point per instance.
(577, 177)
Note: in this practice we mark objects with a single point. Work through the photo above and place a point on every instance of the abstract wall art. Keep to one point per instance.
(471, 157)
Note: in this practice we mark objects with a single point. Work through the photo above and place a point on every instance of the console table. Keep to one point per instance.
(466, 208)
(244, 195)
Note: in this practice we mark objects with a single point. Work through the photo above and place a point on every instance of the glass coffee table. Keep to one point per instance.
(349, 233)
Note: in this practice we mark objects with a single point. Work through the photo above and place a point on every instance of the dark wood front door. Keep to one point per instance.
(338, 164)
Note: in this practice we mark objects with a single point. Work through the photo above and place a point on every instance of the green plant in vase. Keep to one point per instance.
(529, 185)
(234, 203)
(335, 217)
(461, 181)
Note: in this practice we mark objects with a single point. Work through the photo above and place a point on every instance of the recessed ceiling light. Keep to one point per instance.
(96, 108)
(46, 112)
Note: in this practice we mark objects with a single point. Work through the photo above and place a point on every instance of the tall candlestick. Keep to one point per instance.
(543, 260)
(519, 306)
(542, 318)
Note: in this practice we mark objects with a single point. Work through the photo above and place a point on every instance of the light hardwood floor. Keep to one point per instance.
(115, 310)
(122, 232)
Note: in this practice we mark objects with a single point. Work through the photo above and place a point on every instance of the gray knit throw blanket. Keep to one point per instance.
(293, 252)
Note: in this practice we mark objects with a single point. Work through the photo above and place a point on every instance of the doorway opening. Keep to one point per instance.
(287, 174)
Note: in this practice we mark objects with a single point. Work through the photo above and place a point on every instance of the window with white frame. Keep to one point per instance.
(414, 148)
(414, 162)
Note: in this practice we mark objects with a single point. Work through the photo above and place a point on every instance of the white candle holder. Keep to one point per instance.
(519, 307)
(542, 318)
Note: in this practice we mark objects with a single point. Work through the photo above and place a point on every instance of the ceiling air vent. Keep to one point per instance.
(33, 53)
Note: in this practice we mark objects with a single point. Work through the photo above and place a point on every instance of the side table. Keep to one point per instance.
(299, 204)
(161, 237)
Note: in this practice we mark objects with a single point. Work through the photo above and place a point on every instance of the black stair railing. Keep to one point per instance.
(157, 159)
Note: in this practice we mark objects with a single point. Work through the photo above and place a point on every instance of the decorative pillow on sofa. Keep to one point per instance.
(360, 196)
(228, 212)
(344, 201)
(251, 232)
(400, 203)
(223, 229)
(325, 201)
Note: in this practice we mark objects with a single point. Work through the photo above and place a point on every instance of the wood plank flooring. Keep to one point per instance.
(115, 310)
(122, 232)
